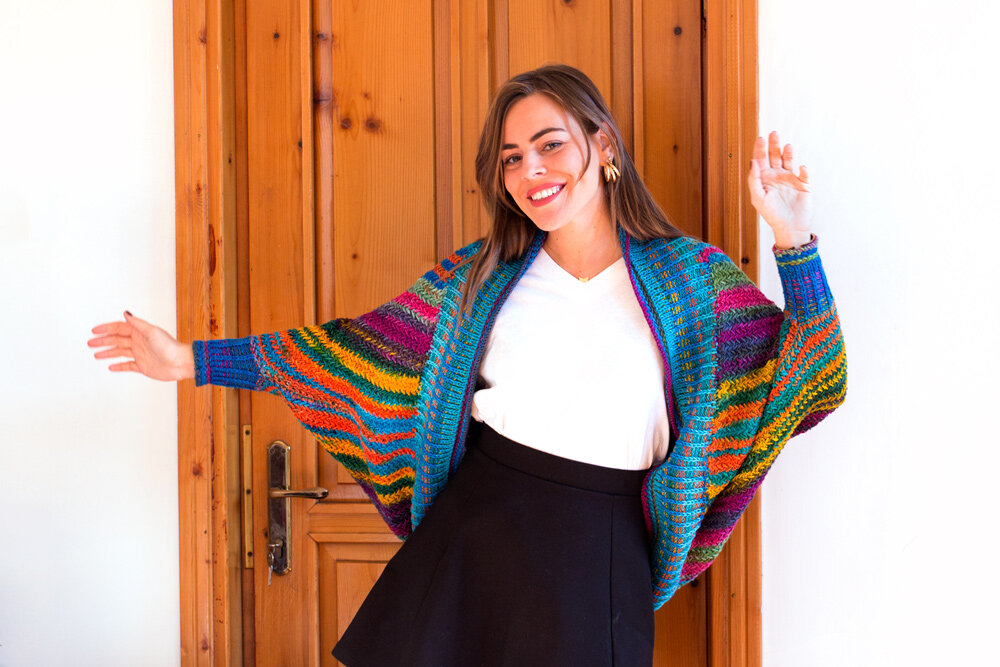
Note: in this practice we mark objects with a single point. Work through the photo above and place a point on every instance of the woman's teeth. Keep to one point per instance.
(546, 193)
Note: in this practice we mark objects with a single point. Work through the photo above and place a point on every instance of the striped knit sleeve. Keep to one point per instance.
(778, 374)
(354, 383)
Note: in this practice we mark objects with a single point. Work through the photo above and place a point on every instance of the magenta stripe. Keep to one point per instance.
(691, 570)
(711, 538)
(735, 501)
(414, 302)
(397, 331)
(743, 296)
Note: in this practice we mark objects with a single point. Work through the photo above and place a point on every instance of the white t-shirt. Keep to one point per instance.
(572, 369)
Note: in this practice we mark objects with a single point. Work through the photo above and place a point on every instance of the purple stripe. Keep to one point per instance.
(397, 331)
(361, 337)
(810, 420)
(736, 501)
(396, 516)
(729, 368)
(767, 327)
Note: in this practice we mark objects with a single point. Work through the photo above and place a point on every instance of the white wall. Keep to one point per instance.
(879, 534)
(88, 465)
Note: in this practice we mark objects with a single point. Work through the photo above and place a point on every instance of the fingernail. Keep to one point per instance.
(129, 313)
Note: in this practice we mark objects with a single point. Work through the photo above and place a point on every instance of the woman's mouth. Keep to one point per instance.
(545, 195)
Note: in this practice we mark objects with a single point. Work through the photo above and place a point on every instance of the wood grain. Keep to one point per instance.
(555, 31)
(208, 455)
(476, 78)
(671, 109)
(730, 222)
(384, 148)
(281, 281)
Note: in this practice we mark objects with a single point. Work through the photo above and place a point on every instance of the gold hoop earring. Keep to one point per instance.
(611, 172)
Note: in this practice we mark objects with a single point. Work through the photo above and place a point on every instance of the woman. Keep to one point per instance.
(556, 416)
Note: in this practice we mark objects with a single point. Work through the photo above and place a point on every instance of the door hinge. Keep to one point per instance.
(246, 462)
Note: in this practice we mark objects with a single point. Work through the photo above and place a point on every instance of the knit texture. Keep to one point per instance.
(389, 393)
(354, 383)
(778, 375)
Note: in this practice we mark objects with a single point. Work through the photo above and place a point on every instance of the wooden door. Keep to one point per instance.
(361, 122)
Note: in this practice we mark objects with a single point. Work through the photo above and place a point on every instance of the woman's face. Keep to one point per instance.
(543, 154)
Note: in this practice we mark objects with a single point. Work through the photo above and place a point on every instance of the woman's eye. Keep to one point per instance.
(511, 160)
(553, 144)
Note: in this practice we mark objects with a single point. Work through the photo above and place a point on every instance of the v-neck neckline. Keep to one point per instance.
(582, 283)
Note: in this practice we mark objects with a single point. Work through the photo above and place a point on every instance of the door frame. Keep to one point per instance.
(210, 165)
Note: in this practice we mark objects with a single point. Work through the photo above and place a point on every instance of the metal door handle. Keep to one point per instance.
(315, 492)
(279, 507)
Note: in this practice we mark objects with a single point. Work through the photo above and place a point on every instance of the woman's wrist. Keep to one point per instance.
(788, 239)
(185, 366)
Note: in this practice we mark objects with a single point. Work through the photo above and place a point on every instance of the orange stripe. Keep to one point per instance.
(806, 346)
(338, 386)
(749, 381)
(296, 358)
(773, 436)
(310, 369)
(728, 462)
(738, 412)
(331, 421)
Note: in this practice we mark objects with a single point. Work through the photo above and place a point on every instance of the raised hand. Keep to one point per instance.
(780, 196)
(151, 350)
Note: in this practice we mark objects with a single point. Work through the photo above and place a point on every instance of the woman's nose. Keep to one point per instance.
(534, 166)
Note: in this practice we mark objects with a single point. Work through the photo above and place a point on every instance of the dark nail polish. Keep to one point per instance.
(128, 312)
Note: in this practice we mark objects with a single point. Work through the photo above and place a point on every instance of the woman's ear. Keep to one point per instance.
(604, 141)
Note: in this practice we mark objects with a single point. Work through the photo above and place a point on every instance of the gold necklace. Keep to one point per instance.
(582, 279)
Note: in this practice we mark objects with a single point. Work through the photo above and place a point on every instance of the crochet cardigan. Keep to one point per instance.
(389, 393)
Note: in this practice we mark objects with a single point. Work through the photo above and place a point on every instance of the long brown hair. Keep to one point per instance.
(630, 203)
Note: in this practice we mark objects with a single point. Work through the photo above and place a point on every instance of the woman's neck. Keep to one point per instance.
(584, 250)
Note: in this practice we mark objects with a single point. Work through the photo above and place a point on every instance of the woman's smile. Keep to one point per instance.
(543, 194)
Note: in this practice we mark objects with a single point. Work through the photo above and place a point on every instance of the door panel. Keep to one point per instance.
(576, 33)
(347, 571)
(362, 124)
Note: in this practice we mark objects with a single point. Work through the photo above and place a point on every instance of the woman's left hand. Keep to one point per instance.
(780, 197)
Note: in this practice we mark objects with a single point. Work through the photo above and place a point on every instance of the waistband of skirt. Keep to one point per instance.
(553, 468)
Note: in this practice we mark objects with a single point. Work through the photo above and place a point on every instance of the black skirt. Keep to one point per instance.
(524, 558)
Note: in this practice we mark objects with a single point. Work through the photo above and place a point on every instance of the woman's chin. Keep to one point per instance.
(546, 224)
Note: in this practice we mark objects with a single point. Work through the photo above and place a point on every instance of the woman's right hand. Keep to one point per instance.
(151, 350)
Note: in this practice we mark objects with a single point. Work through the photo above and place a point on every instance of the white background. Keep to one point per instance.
(879, 539)
(88, 459)
(879, 531)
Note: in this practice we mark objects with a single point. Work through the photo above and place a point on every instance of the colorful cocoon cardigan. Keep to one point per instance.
(389, 393)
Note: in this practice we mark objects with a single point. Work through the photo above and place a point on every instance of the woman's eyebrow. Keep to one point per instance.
(535, 136)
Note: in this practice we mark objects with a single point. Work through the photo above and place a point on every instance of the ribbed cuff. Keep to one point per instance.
(806, 291)
(226, 363)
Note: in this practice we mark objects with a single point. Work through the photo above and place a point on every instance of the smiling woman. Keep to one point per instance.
(560, 455)
(550, 129)
(553, 176)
